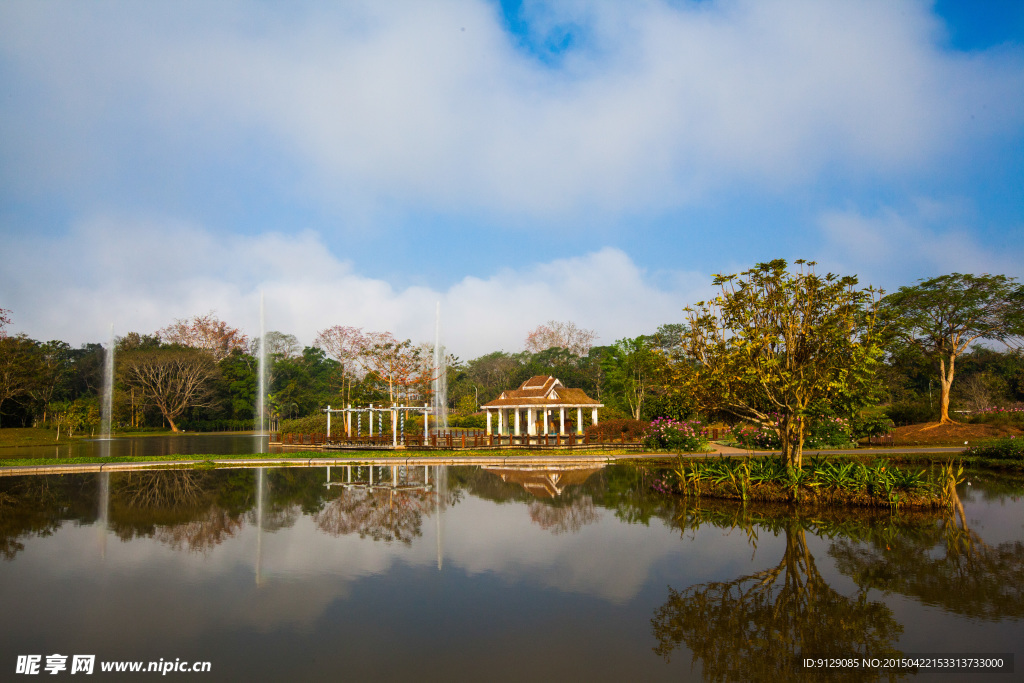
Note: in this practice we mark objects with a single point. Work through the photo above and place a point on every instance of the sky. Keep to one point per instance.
(516, 162)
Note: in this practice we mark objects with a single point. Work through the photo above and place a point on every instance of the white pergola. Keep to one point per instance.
(393, 411)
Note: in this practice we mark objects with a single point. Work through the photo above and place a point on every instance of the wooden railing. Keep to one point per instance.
(463, 439)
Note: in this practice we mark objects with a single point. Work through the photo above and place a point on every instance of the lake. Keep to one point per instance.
(467, 573)
(148, 446)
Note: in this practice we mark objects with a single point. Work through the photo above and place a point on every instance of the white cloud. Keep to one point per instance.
(891, 249)
(142, 275)
(385, 101)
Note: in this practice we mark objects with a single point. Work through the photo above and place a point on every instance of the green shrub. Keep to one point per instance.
(871, 425)
(910, 413)
(999, 417)
(478, 421)
(1010, 448)
(315, 424)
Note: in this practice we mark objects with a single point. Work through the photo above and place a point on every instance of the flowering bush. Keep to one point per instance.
(828, 432)
(677, 435)
(1010, 416)
(759, 438)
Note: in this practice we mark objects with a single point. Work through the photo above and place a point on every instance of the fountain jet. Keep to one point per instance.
(107, 409)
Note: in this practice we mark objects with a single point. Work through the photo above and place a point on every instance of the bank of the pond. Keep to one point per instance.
(16, 467)
(820, 481)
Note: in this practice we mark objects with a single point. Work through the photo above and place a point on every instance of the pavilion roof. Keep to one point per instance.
(542, 390)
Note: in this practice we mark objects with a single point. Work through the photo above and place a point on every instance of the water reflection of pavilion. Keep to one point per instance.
(546, 481)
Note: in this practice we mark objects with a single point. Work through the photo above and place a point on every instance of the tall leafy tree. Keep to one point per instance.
(631, 365)
(773, 344)
(19, 368)
(944, 315)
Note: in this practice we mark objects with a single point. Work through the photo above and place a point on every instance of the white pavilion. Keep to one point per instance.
(537, 403)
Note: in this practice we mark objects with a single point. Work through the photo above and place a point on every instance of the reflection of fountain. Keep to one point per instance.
(440, 503)
(107, 409)
(103, 513)
(261, 395)
(260, 474)
(440, 381)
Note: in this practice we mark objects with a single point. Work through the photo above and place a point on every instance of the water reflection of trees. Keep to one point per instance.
(382, 514)
(564, 516)
(37, 506)
(943, 563)
(755, 626)
(176, 507)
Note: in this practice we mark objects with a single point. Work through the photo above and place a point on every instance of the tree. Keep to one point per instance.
(5, 320)
(279, 345)
(563, 335)
(54, 372)
(19, 368)
(205, 332)
(344, 344)
(773, 344)
(172, 379)
(630, 366)
(944, 315)
(399, 365)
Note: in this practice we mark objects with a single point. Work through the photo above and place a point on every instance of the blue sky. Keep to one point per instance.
(516, 161)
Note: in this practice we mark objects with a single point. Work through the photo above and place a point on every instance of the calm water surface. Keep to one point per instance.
(148, 446)
(467, 573)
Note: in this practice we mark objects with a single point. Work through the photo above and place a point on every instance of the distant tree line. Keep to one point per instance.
(776, 346)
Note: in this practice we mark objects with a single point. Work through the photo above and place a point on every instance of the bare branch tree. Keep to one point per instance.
(173, 380)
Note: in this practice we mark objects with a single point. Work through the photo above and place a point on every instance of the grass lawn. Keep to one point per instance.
(31, 436)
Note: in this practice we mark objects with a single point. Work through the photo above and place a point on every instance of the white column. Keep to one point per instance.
(426, 422)
(394, 427)
(517, 421)
(488, 422)
(501, 425)
(579, 420)
(348, 421)
(561, 421)
(328, 421)
(531, 422)
(593, 415)
(370, 413)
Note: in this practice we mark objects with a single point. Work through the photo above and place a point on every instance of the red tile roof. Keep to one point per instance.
(542, 390)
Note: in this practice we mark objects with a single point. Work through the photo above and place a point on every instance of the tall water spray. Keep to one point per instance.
(107, 409)
(261, 396)
(440, 382)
